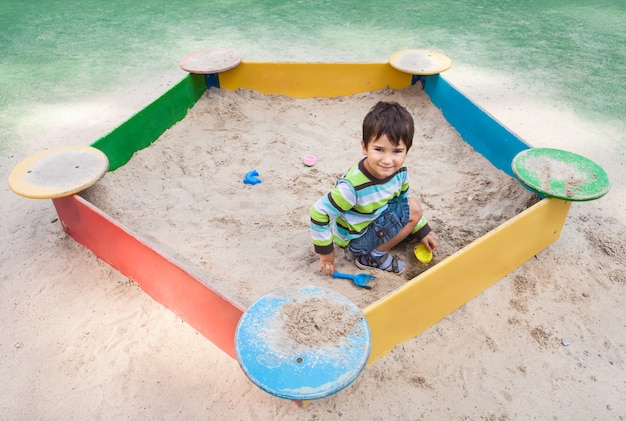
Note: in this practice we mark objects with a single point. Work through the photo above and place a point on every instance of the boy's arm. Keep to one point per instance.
(325, 209)
(327, 264)
(422, 229)
(429, 242)
(321, 235)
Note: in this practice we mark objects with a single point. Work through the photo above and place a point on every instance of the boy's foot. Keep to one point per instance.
(386, 262)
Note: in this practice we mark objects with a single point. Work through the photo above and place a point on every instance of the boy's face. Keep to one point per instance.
(383, 158)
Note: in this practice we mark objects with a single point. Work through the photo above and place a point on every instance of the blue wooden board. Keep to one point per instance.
(283, 362)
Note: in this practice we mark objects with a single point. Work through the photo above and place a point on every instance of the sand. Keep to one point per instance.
(79, 340)
(186, 191)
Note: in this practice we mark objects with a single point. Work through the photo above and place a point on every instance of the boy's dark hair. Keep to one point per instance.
(391, 119)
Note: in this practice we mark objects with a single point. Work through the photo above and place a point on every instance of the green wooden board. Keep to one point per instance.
(561, 174)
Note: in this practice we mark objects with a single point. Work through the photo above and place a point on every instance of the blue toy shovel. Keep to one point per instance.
(359, 280)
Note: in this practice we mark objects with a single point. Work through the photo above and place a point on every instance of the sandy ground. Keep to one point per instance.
(199, 208)
(79, 340)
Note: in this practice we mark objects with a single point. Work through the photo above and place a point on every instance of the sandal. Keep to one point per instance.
(371, 262)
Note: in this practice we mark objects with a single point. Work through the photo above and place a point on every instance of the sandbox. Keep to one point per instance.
(403, 307)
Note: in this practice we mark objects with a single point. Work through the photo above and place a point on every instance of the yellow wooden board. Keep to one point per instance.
(306, 80)
(442, 289)
(58, 172)
(420, 62)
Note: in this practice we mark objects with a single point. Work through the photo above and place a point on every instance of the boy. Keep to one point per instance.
(370, 209)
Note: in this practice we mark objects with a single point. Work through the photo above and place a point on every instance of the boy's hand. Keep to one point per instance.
(327, 264)
(430, 243)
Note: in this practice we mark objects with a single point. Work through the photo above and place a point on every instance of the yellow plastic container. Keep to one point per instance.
(422, 254)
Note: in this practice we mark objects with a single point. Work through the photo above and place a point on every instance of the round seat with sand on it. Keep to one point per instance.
(211, 61)
(420, 62)
(561, 174)
(302, 342)
(58, 172)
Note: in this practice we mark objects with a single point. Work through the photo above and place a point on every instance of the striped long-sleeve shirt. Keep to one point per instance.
(355, 202)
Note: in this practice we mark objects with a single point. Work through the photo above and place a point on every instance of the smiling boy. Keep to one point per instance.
(370, 209)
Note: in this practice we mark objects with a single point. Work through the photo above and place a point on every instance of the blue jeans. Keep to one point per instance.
(383, 229)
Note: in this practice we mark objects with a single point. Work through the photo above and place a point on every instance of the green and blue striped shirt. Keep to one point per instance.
(355, 202)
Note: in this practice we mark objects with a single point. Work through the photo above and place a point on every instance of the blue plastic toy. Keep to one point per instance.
(359, 280)
(252, 178)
